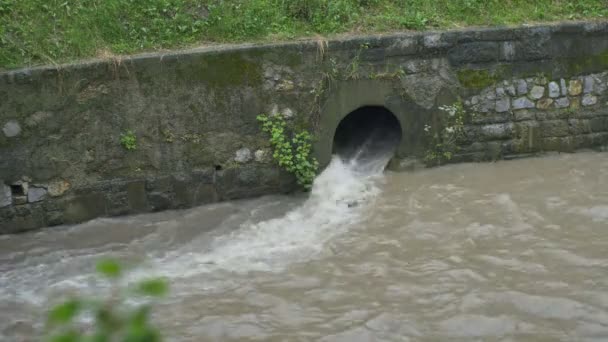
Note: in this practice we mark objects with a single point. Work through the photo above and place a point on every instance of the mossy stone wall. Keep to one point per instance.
(194, 113)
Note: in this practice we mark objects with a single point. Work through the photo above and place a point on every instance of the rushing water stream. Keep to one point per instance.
(514, 250)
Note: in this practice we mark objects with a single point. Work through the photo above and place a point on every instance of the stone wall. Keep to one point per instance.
(519, 116)
(193, 113)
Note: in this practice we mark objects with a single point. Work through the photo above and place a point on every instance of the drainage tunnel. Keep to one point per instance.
(367, 132)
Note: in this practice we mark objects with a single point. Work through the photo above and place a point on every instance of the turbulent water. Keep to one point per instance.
(507, 251)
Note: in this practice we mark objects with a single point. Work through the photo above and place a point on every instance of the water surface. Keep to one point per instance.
(507, 251)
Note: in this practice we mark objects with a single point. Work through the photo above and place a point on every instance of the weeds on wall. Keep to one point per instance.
(443, 140)
(291, 151)
(128, 140)
(112, 318)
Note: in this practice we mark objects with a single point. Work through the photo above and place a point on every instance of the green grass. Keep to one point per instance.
(53, 31)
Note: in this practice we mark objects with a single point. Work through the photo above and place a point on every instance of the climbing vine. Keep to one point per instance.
(292, 152)
(444, 139)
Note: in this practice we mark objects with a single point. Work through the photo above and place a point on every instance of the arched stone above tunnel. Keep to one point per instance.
(347, 97)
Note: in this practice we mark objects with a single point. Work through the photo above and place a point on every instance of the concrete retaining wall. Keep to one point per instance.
(193, 113)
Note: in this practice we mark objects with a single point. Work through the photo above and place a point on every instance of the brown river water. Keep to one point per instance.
(507, 251)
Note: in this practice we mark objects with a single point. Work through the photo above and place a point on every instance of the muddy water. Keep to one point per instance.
(509, 251)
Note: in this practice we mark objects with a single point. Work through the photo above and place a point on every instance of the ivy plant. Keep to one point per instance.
(128, 140)
(291, 150)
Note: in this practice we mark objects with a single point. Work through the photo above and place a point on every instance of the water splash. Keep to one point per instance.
(338, 199)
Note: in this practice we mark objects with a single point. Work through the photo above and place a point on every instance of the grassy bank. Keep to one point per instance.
(54, 31)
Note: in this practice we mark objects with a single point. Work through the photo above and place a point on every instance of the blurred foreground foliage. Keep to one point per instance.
(110, 319)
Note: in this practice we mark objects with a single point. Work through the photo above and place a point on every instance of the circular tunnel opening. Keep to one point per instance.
(367, 133)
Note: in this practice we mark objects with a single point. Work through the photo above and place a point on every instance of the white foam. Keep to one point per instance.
(338, 199)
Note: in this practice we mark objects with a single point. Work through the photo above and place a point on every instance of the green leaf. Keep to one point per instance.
(100, 336)
(142, 334)
(109, 268)
(64, 313)
(68, 336)
(153, 287)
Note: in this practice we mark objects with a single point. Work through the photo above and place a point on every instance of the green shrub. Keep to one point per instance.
(291, 152)
(128, 140)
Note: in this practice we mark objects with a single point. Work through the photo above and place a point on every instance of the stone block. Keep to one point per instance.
(589, 100)
(54, 218)
(487, 118)
(588, 84)
(551, 114)
(19, 199)
(575, 87)
(403, 47)
(261, 156)
(554, 128)
(579, 126)
(563, 86)
(592, 140)
(204, 176)
(537, 92)
(560, 144)
(600, 83)
(243, 155)
(554, 90)
(21, 219)
(6, 196)
(85, 207)
(562, 102)
(503, 105)
(522, 87)
(475, 52)
(58, 188)
(118, 203)
(510, 90)
(136, 196)
(35, 194)
(507, 51)
(159, 184)
(522, 103)
(575, 103)
(436, 41)
(493, 150)
(11, 129)
(496, 131)
(205, 193)
(599, 124)
(523, 114)
(544, 104)
(532, 49)
(159, 201)
(183, 192)
(528, 136)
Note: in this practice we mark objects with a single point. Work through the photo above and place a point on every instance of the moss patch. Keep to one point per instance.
(576, 66)
(223, 70)
(476, 79)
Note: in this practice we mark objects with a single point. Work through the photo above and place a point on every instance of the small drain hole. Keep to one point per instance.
(17, 190)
